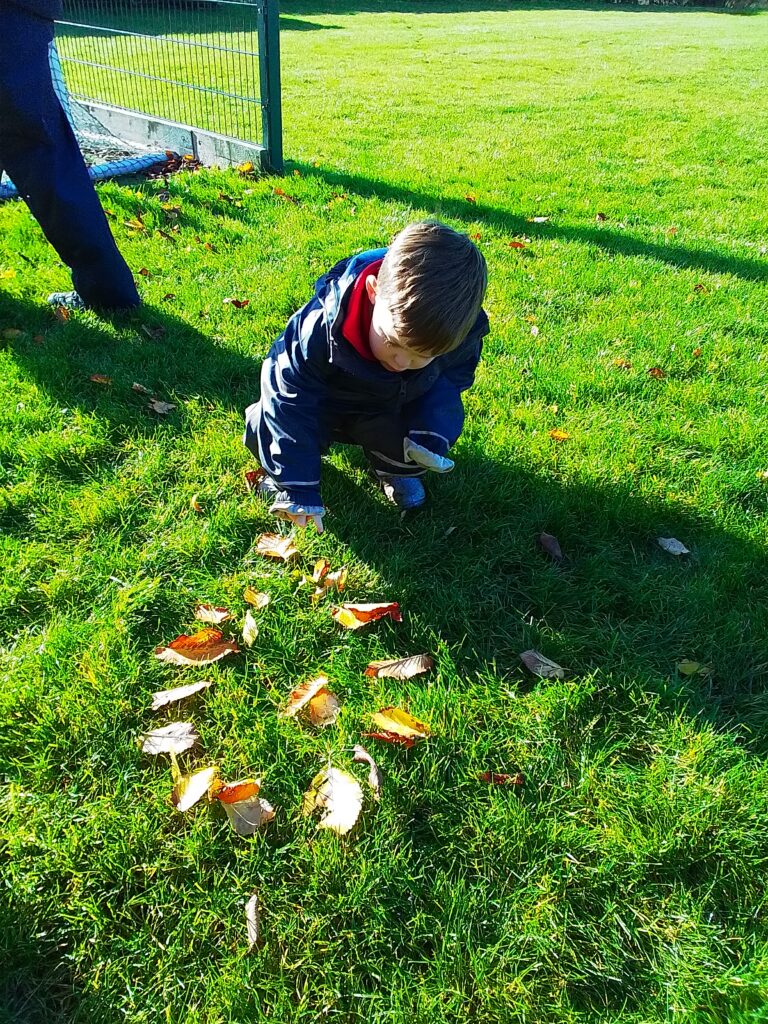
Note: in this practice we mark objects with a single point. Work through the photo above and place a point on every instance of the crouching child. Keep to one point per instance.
(378, 358)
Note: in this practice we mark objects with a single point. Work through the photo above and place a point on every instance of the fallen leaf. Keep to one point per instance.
(324, 708)
(535, 331)
(559, 435)
(135, 224)
(538, 220)
(390, 737)
(700, 287)
(258, 600)
(272, 545)
(161, 408)
(622, 364)
(100, 378)
(339, 795)
(7, 274)
(61, 313)
(656, 372)
(541, 666)
(237, 303)
(201, 648)
(400, 668)
(191, 788)
(164, 697)
(551, 545)
(322, 566)
(672, 546)
(326, 581)
(253, 478)
(671, 230)
(168, 296)
(470, 198)
(374, 775)
(282, 194)
(246, 816)
(302, 695)
(173, 738)
(144, 272)
(11, 333)
(38, 339)
(600, 218)
(140, 389)
(246, 167)
(696, 353)
(250, 629)
(477, 237)
(234, 792)
(252, 921)
(688, 668)
(155, 333)
(514, 244)
(195, 504)
(401, 723)
(501, 779)
(212, 614)
(353, 616)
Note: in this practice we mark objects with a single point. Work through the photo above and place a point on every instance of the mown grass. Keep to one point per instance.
(625, 880)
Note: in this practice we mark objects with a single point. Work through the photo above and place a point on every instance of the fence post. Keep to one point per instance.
(269, 75)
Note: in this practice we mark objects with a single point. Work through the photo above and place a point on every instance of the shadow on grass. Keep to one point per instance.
(621, 243)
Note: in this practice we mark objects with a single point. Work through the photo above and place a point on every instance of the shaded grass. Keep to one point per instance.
(623, 881)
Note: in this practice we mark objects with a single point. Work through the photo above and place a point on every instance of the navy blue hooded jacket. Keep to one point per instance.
(314, 385)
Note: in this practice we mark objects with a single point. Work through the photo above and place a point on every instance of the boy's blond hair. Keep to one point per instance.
(433, 280)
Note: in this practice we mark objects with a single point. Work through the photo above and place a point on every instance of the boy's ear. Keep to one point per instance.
(371, 287)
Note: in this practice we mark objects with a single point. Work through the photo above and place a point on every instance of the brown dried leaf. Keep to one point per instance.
(324, 709)
(212, 614)
(191, 788)
(501, 778)
(515, 244)
(657, 373)
(253, 478)
(237, 303)
(100, 378)
(400, 668)
(161, 408)
(541, 666)
(164, 697)
(303, 695)
(390, 737)
(339, 795)
(173, 738)
(61, 313)
(353, 616)
(202, 648)
(551, 545)
(272, 545)
(600, 218)
(374, 775)
(140, 389)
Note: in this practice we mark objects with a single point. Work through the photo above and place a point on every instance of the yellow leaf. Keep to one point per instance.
(191, 788)
(338, 795)
(399, 722)
(250, 629)
(324, 708)
(272, 545)
(303, 695)
(163, 697)
(559, 435)
(258, 600)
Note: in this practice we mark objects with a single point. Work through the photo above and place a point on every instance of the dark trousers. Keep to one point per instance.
(39, 152)
(381, 438)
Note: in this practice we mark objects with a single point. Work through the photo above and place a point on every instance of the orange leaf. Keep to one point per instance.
(61, 313)
(400, 668)
(696, 353)
(253, 478)
(202, 648)
(233, 792)
(284, 195)
(390, 737)
(272, 545)
(195, 504)
(656, 372)
(559, 435)
(501, 779)
(144, 272)
(470, 198)
(303, 695)
(100, 378)
(353, 616)
(516, 245)
(237, 303)
(324, 708)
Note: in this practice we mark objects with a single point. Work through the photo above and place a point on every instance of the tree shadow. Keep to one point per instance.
(618, 242)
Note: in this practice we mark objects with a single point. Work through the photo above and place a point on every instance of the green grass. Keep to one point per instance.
(625, 881)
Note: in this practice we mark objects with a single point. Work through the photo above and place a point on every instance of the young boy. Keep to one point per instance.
(378, 357)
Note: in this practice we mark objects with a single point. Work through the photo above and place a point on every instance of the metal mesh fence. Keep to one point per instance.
(192, 62)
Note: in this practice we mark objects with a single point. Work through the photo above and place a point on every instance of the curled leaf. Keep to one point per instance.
(201, 648)
(164, 697)
(374, 775)
(234, 792)
(170, 739)
(250, 629)
(246, 816)
(272, 545)
(551, 545)
(252, 921)
(353, 616)
(338, 795)
(400, 668)
(212, 614)
(323, 708)
(390, 737)
(253, 478)
(258, 600)
(672, 546)
(401, 723)
(191, 788)
(303, 695)
(541, 666)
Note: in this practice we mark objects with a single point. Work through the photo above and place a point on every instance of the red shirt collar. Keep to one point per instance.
(357, 322)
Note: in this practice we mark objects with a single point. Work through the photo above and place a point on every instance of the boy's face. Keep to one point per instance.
(383, 340)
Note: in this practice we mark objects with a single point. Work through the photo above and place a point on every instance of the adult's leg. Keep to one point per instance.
(40, 154)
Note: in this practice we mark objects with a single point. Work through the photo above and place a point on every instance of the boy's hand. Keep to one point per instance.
(301, 519)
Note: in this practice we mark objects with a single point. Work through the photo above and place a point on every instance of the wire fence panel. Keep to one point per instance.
(191, 62)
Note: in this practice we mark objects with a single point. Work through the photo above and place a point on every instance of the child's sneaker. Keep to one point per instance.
(407, 492)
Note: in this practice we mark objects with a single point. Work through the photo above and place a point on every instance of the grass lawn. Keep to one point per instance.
(625, 880)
